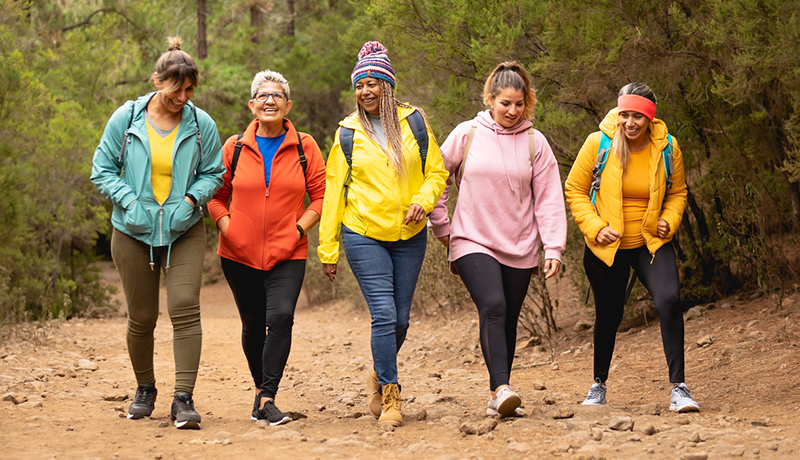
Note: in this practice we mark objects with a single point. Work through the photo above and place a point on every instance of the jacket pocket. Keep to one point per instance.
(181, 218)
(137, 219)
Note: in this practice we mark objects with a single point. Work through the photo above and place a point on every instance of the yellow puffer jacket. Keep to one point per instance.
(378, 200)
(609, 197)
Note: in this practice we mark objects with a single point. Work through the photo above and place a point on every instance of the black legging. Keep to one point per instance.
(659, 275)
(498, 291)
(266, 300)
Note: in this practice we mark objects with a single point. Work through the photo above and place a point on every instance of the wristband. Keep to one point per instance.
(300, 229)
(191, 197)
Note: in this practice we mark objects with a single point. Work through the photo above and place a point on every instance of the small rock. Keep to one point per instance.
(763, 422)
(86, 365)
(787, 302)
(421, 415)
(356, 414)
(582, 325)
(159, 456)
(727, 409)
(621, 424)
(30, 405)
(695, 437)
(694, 313)
(635, 438)
(756, 451)
(694, 456)
(549, 400)
(519, 447)
(15, 398)
(539, 386)
(529, 343)
(597, 434)
(705, 341)
(554, 366)
(115, 397)
(649, 430)
(651, 409)
(163, 424)
(562, 413)
(726, 306)
(226, 442)
(319, 407)
(481, 429)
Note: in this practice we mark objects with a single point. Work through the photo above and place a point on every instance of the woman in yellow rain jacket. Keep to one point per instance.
(378, 204)
(630, 224)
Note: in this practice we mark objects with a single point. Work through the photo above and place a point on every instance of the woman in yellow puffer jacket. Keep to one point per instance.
(631, 224)
(379, 208)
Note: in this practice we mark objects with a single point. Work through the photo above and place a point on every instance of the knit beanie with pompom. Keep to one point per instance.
(373, 62)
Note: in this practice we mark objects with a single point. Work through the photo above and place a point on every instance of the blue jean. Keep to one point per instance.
(387, 273)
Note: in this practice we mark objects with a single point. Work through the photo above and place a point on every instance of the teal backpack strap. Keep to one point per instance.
(417, 124)
(127, 133)
(199, 136)
(669, 168)
(599, 165)
(346, 142)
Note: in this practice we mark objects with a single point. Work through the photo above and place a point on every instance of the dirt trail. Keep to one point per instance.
(746, 380)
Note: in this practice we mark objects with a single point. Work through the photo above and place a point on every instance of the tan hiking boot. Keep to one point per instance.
(390, 405)
(374, 398)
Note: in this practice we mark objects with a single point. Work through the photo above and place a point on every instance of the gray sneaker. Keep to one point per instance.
(597, 394)
(183, 413)
(144, 402)
(681, 400)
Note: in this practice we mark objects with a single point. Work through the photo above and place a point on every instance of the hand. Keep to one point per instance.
(607, 235)
(551, 268)
(329, 270)
(445, 240)
(663, 228)
(222, 225)
(415, 213)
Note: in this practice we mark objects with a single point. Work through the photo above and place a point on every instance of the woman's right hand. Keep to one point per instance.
(222, 225)
(607, 235)
(329, 270)
(445, 240)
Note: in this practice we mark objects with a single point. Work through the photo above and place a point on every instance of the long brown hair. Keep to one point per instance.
(176, 65)
(510, 74)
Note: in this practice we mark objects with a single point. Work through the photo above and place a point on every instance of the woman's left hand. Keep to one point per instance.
(663, 228)
(415, 213)
(551, 267)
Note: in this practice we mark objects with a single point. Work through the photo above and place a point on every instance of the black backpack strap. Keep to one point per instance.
(236, 151)
(417, 123)
(346, 142)
(125, 140)
(303, 161)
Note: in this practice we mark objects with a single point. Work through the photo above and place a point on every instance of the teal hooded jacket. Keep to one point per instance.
(123, 175)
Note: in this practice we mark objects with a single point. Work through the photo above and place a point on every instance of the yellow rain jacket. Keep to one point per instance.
(609, 197)
(378, 199)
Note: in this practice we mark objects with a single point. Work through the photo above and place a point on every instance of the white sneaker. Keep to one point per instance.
(491, 409)
(597, 394)
(681, 400)
(506, 403)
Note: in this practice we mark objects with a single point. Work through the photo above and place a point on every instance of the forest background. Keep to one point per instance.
(725, 71)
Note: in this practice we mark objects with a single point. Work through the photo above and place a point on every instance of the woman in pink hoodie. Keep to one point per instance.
(510, 199)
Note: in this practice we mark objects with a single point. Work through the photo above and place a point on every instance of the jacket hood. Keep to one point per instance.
(352, 120)
(658, 129)
(486, 120)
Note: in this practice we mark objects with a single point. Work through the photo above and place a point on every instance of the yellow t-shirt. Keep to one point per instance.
(160, 161)
(635, 197)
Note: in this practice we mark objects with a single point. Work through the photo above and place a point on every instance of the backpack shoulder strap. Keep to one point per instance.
(417, 123)
(460, 172)
(532, 152)
(668, 166)
(236, 151)
(346, 142)
(127, 130)
(199, 136)
(302, 155)
(599, 165)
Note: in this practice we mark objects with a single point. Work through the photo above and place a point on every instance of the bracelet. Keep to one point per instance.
(300, 229)
(191, 197)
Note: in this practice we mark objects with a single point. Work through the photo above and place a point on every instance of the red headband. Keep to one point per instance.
(634, 103)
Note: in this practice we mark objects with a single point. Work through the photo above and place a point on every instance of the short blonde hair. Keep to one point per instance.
(510, 74)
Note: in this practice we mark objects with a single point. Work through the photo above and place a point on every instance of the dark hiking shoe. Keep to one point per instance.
(272, 414)
(183, 412)
(143, 403)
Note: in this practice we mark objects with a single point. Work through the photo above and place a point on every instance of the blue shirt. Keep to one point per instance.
(268, 147)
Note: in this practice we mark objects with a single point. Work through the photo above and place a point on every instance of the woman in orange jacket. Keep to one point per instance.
(630, 223)
(262, 241)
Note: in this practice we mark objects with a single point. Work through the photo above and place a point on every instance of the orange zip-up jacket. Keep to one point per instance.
(263, 227)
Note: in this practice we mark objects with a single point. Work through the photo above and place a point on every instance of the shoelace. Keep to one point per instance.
(596, 391)
(682, 392)
(271, 410)
(143, 396)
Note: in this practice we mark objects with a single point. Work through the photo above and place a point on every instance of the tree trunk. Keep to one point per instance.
(202, 42)
(290, 25)
(257, 22)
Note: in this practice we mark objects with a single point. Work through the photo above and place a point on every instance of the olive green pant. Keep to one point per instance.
(141, 285)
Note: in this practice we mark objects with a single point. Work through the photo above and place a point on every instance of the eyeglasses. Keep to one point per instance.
(264, 97)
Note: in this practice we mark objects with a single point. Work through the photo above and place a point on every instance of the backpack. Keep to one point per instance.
(238, 149)
(474, 127)
(602, 156)
(415, 121)
(125, 141)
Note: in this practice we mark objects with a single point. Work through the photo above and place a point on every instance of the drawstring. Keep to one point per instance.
(152, 265)
(505, 168)
(169, 250)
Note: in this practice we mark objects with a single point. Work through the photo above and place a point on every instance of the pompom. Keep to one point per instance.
(372, 47)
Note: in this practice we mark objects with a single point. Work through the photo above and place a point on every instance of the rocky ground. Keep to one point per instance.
(65, 388)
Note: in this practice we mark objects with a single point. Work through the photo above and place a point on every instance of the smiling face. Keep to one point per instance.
(368, 95)
(174, 101)
(634, 125)
(270, 113)
(508, 107)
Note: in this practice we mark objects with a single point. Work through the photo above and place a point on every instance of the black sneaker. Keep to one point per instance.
(256, 403)
(144, 402)
(183, 412)
(272, 414)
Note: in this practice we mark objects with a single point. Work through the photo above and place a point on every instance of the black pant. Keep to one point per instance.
(659, 275)
(498, 291)
(266, 300)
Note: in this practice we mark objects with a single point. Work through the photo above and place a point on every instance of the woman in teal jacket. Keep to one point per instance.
(158, 162)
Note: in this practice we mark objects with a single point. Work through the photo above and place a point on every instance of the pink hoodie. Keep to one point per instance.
(495, 211)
